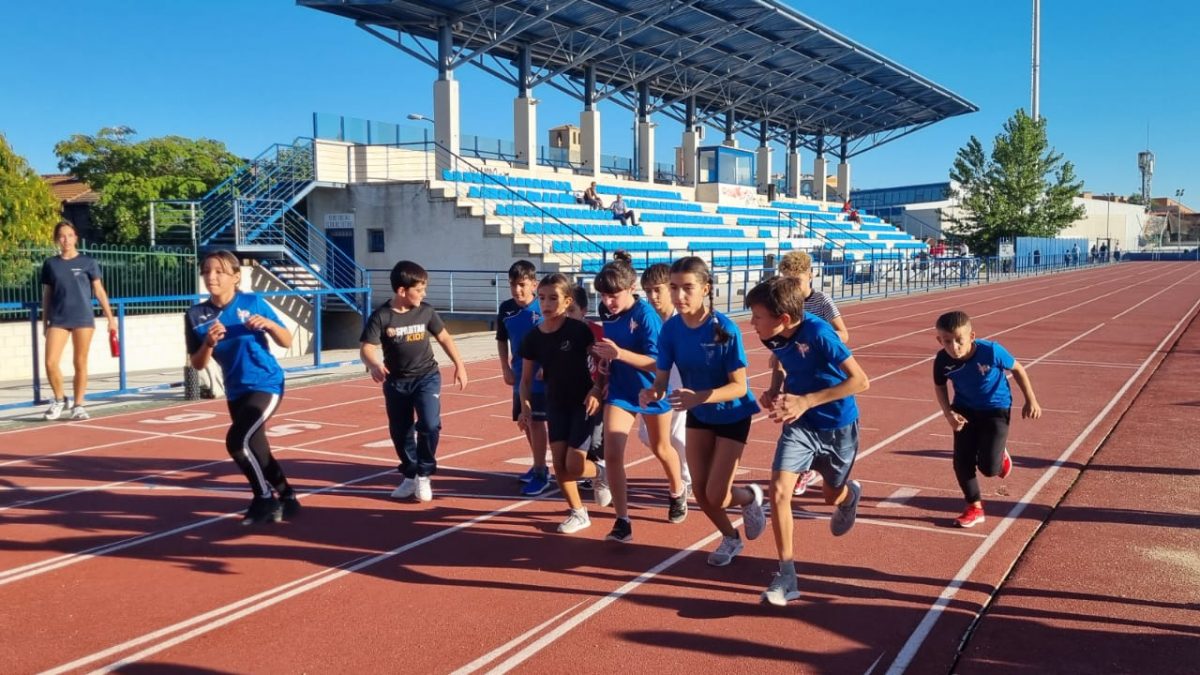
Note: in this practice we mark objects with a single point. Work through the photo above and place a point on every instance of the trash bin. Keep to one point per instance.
(191, 383)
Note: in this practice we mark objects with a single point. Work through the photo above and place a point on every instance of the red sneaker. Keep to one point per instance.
(1005, 465)
(971, 517)
(802, 482)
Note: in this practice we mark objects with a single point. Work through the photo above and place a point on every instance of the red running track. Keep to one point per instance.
(120, 547)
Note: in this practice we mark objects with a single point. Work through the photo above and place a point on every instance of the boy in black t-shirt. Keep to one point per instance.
(561, 346)
(411, 382)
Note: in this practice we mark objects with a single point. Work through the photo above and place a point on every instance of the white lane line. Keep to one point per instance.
(925, 627)
(208, 622)
(898, 498)
(496, 653)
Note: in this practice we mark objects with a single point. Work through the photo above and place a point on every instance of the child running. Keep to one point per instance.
(818, 411)
(232, 328)
(412, 384)
(560, 345)
(707, 348)
(979, 415)
(656, 284)
(516, 317)
(630, 346)
(798, 265)
(599, 369)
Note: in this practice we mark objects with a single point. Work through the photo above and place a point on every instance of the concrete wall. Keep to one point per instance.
(152, 341)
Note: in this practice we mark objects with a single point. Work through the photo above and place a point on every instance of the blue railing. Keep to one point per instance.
(121, 309)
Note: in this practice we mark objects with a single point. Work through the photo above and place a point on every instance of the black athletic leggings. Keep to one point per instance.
(980, 443)
(247, 442)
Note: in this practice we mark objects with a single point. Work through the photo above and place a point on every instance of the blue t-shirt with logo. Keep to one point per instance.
(243, 354)
(980, 381)
(636, 330)
(513, 323)
(70, 282)
(812, 358)
(705, 363)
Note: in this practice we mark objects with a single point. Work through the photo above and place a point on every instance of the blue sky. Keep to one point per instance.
(251, 73)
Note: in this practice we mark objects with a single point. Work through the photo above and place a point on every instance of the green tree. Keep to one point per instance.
(129, 175)
(1023, 188)
(1136, 198)
(28, 209)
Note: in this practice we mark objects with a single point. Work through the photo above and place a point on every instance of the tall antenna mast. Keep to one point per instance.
(1037, 56)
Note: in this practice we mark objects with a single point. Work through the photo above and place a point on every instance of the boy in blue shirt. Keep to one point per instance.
(515, 318)
(979, 415)
(815, 403)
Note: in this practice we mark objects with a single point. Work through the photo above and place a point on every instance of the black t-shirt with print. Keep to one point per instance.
(404, 337)
(563, 355)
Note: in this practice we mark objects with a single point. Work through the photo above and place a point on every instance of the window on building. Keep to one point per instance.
(375, 241)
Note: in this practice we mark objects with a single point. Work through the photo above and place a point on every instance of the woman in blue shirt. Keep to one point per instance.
(630, 346)
(707, 349)
(231, 328)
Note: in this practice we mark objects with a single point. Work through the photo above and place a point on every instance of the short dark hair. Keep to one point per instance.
(779, 296)
(617, 275)
(580, 294)
(559, 281)
(522, 270)
(952, 321)
(656, 275)
(406, 274)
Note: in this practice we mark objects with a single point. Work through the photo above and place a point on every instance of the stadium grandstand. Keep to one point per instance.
(358, 195)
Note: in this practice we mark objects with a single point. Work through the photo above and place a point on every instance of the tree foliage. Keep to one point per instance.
(28, 209)
(1023, 188)
(129, 175)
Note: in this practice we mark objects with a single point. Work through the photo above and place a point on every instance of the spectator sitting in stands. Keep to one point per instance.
(621, 212)
(591, 198)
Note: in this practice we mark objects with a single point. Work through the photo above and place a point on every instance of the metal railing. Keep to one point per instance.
(281, 172)
(127, 271)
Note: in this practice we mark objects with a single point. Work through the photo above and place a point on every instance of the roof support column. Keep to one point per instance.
(589, 126)
(843, 172)
(729, 139)
(819, 191)
(685, 166)
(445, 104)
(793, 165)
(645, 135)
(763, 157)
(525, 113)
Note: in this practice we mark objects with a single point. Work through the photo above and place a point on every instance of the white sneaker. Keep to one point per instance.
(803, 481)
(424, 489)
(752, 514)
(406, 490)
(728, 548)
(576, 521)
(55, 410)
(80, 413)
(600, 490)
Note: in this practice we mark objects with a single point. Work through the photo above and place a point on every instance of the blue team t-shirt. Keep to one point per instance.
(704, 363)
(812, 357)
(636, 330)
(980, 381)
(513, 323)
(243, 354)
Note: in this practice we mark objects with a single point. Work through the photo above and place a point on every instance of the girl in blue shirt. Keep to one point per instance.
(707, 349)
(232, 328)
(630, 346)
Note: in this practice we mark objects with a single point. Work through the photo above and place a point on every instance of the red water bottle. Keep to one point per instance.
(114, 343)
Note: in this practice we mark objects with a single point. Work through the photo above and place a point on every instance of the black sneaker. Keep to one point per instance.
(677, 511)
(263, 510)
(291, 505)
(622, 531)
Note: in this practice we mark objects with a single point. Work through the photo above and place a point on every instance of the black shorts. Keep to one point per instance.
(573, 426)
(536, 400)
(735, 431)
(985, 433)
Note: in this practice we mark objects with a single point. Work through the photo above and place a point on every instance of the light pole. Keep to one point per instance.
(1108, 225)
(1178, 213)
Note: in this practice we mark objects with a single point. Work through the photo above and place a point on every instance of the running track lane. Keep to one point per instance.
(527, 577)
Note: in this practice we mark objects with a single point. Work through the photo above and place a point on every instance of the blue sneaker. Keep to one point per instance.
(528, 475)
(537, 484)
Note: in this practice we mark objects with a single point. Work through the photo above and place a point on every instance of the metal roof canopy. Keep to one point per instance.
(756, 59)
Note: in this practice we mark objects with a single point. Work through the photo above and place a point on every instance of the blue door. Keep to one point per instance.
(340, 274)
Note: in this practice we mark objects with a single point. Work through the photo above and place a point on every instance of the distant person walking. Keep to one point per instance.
(69, 282)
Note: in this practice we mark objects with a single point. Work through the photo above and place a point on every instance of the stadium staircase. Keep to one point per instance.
(253, 213)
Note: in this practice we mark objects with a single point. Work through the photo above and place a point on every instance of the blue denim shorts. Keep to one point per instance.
(829, 452)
